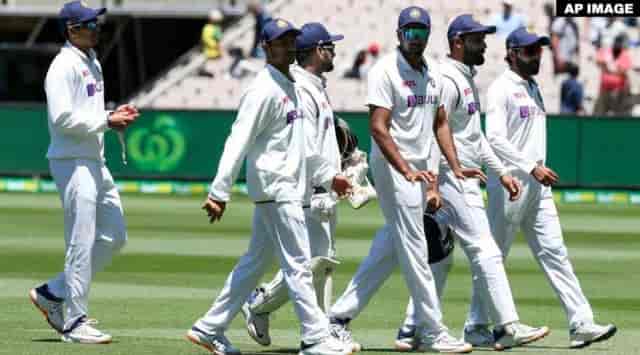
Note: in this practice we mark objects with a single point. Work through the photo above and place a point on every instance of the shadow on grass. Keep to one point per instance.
(47, 340)
(274, 351)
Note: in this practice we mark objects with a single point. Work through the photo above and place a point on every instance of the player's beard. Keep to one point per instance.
(414, 48)
(473, 54)
(529, 67)
(328, 67)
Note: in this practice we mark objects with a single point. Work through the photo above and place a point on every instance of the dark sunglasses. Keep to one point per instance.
(530, 51)
(412, 33)
(90, 25)
(329, 48)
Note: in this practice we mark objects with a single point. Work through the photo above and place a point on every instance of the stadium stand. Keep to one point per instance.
(362, 22)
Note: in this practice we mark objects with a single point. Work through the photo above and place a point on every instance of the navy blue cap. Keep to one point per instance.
(77, 11)
(521, 38)
(465, 24)
(276, 28)
(314, 34)
(414, 14)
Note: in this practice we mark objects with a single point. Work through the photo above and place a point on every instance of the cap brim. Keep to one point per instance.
(542, 41)
(335, 38)
(94, 15)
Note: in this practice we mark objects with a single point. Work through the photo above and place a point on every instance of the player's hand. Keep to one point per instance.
(215, 209)
(129, 108)
(123, 116)
(421, 175)
(342, 186)
(434, 200)
(512, 185)
(471, 173)
(121, 119)
(544, 175)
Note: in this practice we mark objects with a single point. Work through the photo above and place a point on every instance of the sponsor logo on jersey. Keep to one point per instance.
(293, 115)
(420, 100)
(529, 111)
(473, 107)
(93, 88)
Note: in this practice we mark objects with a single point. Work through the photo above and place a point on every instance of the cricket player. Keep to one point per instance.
(94, 225)
(463, 205)
(269, 132)
(315, 53)
(405, 112)
(516, 130)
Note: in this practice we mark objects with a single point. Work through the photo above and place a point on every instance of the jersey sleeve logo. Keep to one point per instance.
(473, 107)
(293, 115)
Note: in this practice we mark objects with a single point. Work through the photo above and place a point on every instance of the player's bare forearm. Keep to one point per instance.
(380, 123)
(445, 139)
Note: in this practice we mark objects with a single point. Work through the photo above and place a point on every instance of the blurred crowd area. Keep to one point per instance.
(592, 67)
(589, 69)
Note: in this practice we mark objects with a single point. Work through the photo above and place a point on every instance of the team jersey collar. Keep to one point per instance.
(318, 81)
(513, 76)
(408, 66)
(279, 76)
(467, 70)
(80, 53)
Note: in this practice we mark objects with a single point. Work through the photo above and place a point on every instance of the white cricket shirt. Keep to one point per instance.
(462, 102)
(517, 122)
(269, 132)
(413, 97)
(74, 87)
(319, 126)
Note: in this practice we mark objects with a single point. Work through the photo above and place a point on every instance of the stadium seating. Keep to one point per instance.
(363, 22)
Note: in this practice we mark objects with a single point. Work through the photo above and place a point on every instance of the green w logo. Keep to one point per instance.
(160, 148)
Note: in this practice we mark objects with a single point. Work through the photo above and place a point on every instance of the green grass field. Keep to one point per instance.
(176, 262)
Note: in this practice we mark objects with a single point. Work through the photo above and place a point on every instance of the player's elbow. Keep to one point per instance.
(379, 132)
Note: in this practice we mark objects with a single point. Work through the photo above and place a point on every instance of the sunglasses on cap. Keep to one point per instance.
(411, 34)
(530, 51)
(90, 25)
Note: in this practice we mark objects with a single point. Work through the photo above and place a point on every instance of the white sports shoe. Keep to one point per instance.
(340, 330)
(216, 343)
(257, 325)
(406, 339)
(443, 343)
(478, 335)
(517, 334)
(329, 346)
(50, 307)
(586, 334)
(86, 334)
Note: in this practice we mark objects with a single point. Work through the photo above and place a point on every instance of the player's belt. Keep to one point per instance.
(319, 190)
(263, 202)
(316, 190)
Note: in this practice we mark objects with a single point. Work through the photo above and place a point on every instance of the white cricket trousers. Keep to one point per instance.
(400, 241)
(278, 228)
(94, 229)
(464, 212)
(321, 244)
(536, 214)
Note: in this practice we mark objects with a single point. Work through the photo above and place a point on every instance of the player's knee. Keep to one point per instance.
(556, 253)
(120, 241)
(483, 250)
